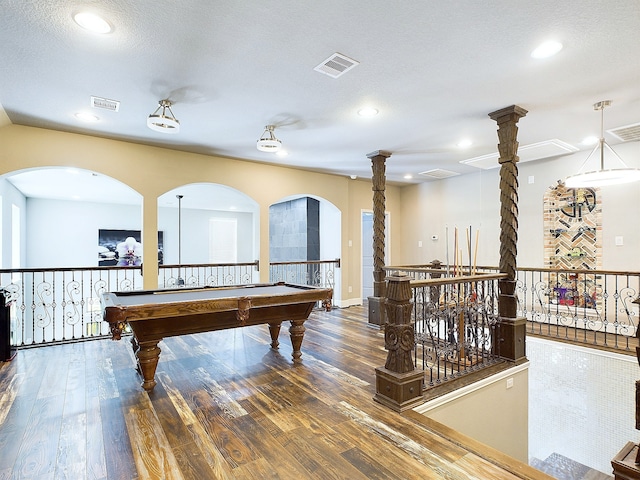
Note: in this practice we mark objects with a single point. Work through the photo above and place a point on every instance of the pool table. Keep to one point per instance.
(155, 314)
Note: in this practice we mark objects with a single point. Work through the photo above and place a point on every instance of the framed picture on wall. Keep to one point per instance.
(123, 248)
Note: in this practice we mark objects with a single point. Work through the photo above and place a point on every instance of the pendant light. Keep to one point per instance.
(268, 141)
(163, 120)
(603, 176)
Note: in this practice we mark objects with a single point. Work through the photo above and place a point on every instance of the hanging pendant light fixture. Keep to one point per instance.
(268, 141)
(163, 120)
(603, 176)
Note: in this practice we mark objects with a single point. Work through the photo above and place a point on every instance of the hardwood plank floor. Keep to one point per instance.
(226, 406)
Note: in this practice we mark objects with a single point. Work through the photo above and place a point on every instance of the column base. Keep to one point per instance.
(376, 310)
(399, 391)
(512, 334)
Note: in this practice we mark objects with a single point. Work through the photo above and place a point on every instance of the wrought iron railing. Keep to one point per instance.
(317, 273)
(213, 275)
(61, 304)
(593, 307)
(455, 321)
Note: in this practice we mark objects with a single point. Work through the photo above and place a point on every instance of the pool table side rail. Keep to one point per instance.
(114, 313)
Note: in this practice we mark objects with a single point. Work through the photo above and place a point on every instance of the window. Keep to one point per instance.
(223, 240)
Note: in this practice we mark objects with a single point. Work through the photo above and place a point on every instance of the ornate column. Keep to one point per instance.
(376, 303)
(510, 335)
(398, 383)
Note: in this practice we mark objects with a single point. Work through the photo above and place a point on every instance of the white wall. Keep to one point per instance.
(331, 241)
(11, 196)
(474, 200)
(195, 234)
(65, 233)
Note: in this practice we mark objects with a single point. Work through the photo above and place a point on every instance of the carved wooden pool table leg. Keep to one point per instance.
(296, 330)
(274, 331)
(148, 354)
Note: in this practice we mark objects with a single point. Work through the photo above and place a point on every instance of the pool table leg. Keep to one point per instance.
(148, 354)
(296, 330)
(274, 330)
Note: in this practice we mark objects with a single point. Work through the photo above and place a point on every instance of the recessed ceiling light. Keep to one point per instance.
(368, 112)
(86, 117)
(547, 49)
(408, 176)
(92, 22)
(282, 153)
(464, 143)
(592, 140)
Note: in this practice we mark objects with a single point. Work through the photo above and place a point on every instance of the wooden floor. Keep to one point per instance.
(226, 406)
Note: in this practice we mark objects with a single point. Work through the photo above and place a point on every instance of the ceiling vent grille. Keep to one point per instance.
(438, 173)
(628, 133)
(336, 65)
(526, 153)
(105, 103)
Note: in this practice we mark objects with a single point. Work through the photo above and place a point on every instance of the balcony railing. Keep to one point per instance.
(455, 322)
(317, 273)
(594, 307)
(58, 305)
(212, 275)
(61, 304)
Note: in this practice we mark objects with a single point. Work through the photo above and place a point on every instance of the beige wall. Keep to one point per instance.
(489, 411)
(152, 171)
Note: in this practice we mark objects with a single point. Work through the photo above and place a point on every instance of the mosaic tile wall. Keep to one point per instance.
(581, 402)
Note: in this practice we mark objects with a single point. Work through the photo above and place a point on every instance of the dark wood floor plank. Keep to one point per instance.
(201, 440)
(395, 460)
(367, 465)
(260, 440)
(233, 445)
(318, 460)
(117, 446)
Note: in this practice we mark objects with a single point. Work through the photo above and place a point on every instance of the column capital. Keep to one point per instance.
(512, 113)
(379, 153)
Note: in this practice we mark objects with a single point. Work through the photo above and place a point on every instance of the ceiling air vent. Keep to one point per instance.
(438, 173)
(628, 133)
(336, 65)
(526, 153)
(105, 103)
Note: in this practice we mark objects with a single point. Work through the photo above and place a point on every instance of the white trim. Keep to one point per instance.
(461, 392)
(349, 302)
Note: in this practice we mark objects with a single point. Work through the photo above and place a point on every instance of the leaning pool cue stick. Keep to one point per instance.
(475, 253)
(446, 234)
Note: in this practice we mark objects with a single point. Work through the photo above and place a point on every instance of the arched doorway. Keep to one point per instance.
(208, 223)
(306, 228)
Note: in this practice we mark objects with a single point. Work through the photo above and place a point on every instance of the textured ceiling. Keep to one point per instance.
(433, 69)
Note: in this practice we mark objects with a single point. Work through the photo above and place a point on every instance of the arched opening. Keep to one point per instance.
(207, 223)
(60, 213)
(51, 220)
(304, 228)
